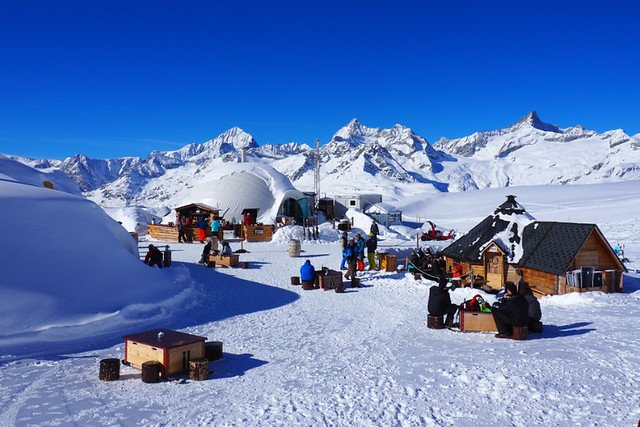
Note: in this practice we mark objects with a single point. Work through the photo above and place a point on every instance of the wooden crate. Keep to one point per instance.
(478, 321)
(173, 350)
(388, 263)
(229, 261)
(331, 280)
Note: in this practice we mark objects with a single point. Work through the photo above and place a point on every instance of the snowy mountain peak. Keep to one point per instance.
(533, 121)
(237, 138)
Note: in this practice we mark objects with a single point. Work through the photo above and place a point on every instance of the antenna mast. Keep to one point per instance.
(316, 175)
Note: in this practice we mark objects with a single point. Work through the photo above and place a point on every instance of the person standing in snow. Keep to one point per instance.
(182, 238)
(215, 228)
(374, 229)
(202, 229)
(372, 245)
(352, 258)
(512, 310)
(360, 244)
(344, 243)
(154, 257)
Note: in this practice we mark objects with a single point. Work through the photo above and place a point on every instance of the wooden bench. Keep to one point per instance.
(228, 261)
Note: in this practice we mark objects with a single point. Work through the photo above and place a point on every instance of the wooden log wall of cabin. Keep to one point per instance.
(594, 253)
(541, 283)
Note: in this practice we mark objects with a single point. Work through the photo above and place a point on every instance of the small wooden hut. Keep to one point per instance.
(511, 243)
(193, 213)
(173, 349)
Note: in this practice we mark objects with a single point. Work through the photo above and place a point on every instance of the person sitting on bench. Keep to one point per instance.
(307, 272)
(535, 312)
(440, 301)
(511, 311)
(226, 249)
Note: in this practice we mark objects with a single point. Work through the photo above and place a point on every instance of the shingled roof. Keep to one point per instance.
(505, 227)
(551, 246)
(539, 245)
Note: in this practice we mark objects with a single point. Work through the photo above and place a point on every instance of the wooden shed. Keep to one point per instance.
(193, 212)
(510, 243)
(173, 349)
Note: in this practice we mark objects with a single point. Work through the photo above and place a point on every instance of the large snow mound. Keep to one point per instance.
(67, 263)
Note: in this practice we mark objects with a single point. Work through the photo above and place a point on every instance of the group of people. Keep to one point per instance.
(203, 224)
(517, 308)
(422, 261)
(211, 248)
(353, 251)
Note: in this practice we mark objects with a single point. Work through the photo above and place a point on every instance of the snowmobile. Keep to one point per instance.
(434, 234)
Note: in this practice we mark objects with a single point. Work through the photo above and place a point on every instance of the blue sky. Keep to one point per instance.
(122, 78)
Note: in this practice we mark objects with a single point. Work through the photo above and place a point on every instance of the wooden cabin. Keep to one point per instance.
(173, 349)
(511, 243)
(193, 212)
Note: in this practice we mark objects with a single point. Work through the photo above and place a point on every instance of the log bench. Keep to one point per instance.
(435, 322)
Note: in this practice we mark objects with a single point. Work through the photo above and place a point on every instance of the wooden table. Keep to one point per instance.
(478, 321)
(330, 279)
(228, 260)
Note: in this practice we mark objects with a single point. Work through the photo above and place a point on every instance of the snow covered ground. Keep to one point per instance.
(294, 357)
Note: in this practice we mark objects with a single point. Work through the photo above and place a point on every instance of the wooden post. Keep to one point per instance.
(333, 223)
(199, 369)
(520, 333)
(109, 369)
(355, 282)
(435, 322)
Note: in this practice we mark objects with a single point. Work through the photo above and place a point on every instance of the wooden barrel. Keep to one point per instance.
(295, 280)
(520, 333)
(245, 264)
(307, 285)
(109, 369)
(340, 288)
(151, 371)
(213, 350)
(435, 322)
(199, 369)
(294, 248)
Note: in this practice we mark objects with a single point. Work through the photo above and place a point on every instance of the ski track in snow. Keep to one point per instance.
(365, 357)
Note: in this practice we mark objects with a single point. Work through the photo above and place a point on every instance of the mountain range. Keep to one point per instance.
(396, 162)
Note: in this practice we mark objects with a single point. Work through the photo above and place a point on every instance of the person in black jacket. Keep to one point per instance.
(440, 302)
(512, 311)
(374, 229)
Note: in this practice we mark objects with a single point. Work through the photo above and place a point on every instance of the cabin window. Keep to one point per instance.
(352, 202)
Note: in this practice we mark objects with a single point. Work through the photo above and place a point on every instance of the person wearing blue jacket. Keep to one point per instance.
(307, 272)
(360, 244)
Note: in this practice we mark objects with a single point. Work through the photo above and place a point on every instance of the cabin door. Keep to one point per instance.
(494, 269)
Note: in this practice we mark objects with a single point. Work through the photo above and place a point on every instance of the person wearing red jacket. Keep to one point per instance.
(154, 257)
